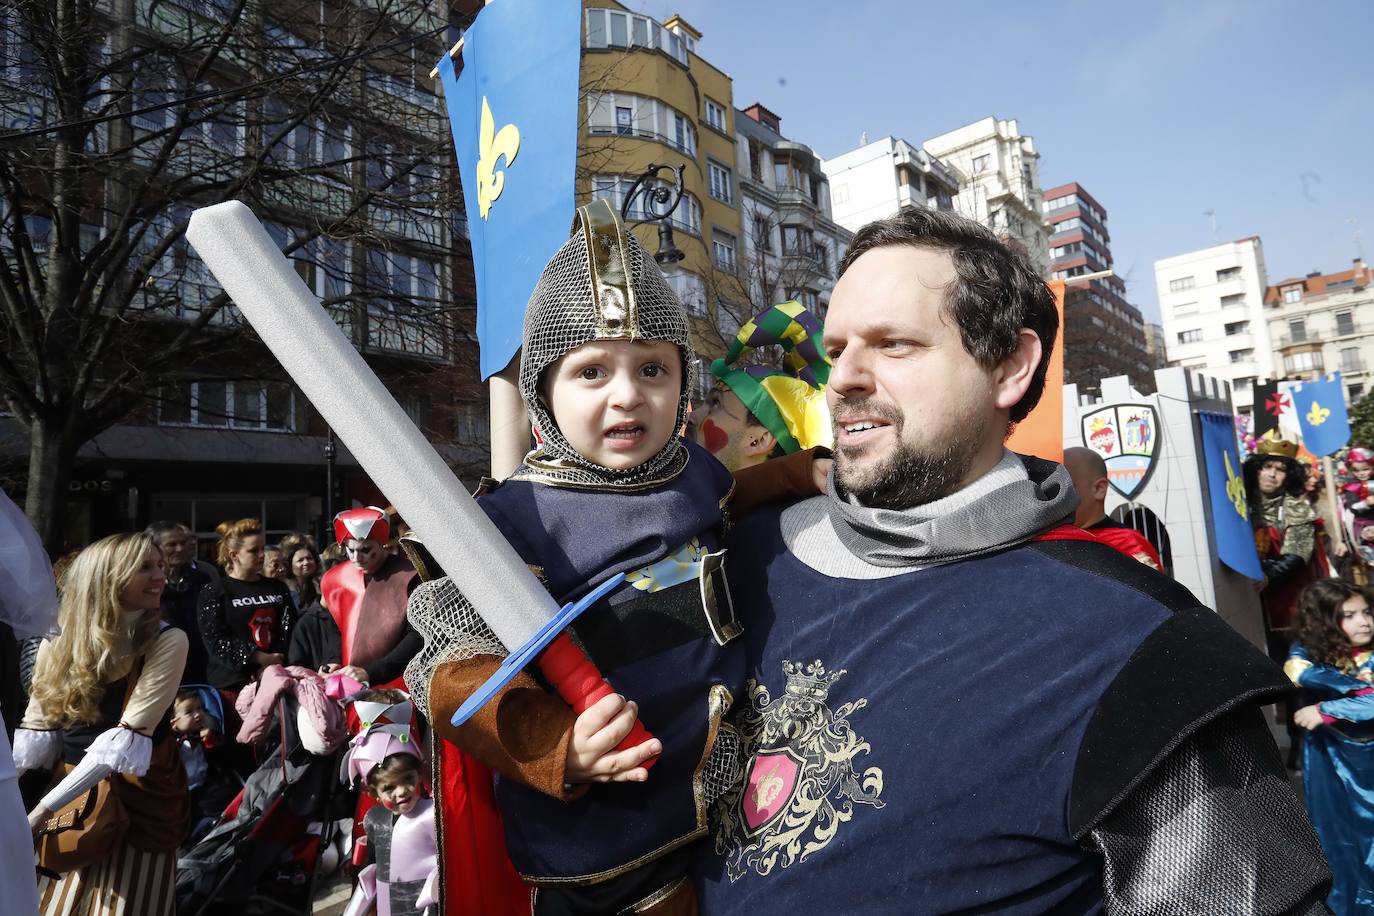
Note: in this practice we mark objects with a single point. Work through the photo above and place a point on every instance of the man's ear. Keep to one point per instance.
(1100, 488)
(1015, 373)
(758, 441)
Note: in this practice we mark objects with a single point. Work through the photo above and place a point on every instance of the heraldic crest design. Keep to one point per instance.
(800, 784)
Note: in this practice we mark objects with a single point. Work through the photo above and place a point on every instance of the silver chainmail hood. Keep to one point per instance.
(601, 285)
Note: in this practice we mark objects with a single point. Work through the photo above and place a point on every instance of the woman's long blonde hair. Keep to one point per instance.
(70, 678)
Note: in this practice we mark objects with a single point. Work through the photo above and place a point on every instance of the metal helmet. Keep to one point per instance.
(601, 285)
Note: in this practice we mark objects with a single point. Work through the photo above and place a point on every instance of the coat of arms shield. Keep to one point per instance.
(1127, 436)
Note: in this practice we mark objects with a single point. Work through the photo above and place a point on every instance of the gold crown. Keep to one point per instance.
(812, 682)
(1281, 448)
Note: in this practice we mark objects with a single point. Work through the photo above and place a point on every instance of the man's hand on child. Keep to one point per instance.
(820, 470)
(592, 756)
(1309, 717)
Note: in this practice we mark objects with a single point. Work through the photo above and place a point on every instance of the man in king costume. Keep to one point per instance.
(363, 627)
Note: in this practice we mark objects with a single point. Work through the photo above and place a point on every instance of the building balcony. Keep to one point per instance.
(1310, 339)
(1351, 367)
(921, 161)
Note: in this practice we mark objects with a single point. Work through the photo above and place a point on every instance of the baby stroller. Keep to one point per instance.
(264, 854)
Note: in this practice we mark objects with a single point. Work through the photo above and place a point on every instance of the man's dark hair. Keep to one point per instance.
(997, 294)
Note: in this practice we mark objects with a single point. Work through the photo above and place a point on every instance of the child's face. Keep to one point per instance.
(188, 716)
(1357, 621)
(398, 792)
(1362, 470)
(616, 400)
(1367, 534)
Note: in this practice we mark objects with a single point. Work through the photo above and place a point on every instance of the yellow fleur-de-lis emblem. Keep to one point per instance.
(1235, 488)
(492, 145)
(1318, 414)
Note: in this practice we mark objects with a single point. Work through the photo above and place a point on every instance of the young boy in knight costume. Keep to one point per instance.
(606, 374)
(401, 841)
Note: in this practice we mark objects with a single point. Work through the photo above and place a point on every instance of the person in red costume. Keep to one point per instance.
(1089, 473)
(362, 631)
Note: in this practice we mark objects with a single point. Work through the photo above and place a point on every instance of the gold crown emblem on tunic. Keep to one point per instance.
(811, 681)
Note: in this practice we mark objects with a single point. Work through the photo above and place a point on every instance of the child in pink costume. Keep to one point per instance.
(400, 827)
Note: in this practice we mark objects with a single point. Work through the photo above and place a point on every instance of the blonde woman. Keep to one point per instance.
(245, 618)
(98, 708)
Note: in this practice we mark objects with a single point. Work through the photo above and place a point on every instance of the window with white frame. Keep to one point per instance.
(1345, 323)
(720, 181)
(1241, 356)
(723, 250)
(21, 61)
(690, 291)
(616, 29)
(1350, 360)
(981, 164)
(403, 312)
(686, 216)
(1237, 327)
(715, 115)
(1297, 330)
(626, 114)
(1191, 336)
(1303, 362)
(1180, 284)
(1235, 301)
(1228, 273)
(228, 403)
(1292, 294)
(798, 240)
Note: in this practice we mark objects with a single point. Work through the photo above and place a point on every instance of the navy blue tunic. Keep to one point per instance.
(917, 742)
(654, 646)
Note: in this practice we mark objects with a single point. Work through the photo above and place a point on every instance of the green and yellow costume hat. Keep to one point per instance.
(790, 403)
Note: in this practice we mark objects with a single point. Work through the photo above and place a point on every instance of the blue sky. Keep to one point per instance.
(1260, 111)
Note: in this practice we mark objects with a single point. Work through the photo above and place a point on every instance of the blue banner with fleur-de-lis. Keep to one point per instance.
(1226, 488)
(513, 111)
(1320, 406)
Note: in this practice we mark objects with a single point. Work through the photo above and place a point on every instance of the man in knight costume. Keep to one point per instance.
(957, 701)
(579, 512)
(1285, 535)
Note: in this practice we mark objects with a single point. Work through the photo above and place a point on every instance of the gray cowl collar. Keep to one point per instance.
(1021, 497)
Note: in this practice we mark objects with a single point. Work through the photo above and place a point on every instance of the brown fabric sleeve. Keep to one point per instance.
(522, 733)
(785, 479)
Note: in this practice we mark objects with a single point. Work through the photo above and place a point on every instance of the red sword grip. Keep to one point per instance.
(581, 685)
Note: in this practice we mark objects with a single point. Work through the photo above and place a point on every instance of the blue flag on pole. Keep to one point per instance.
(1226, 489)
(514, 117)
(1320, 406)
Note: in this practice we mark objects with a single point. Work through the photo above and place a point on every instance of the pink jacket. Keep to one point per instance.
(319, 718)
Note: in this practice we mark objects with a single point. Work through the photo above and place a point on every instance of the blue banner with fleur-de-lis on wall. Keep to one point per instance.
(1226, 488)
(1320, 406)
(513, 111)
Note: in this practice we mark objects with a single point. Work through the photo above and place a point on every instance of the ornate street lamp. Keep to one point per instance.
(660, 200)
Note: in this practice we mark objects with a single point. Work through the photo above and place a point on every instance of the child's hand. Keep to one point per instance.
(1309, 717)
(592, 756)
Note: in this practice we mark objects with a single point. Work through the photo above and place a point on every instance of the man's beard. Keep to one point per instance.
(910, 476)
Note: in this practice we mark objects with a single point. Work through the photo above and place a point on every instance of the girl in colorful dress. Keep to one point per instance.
(1333, 664)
